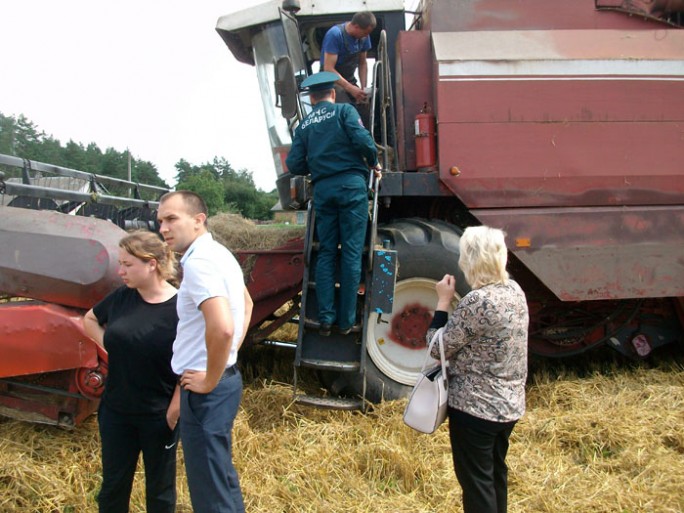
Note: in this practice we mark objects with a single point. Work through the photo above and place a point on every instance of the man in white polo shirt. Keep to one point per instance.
(214, 309)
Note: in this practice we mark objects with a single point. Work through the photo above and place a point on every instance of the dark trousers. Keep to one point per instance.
(123, 438)
(206, 423)
(479, 450)
(342, 96)
(341, 204)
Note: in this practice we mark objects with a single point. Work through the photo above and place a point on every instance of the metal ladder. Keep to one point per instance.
(340, 353)
(336, 353)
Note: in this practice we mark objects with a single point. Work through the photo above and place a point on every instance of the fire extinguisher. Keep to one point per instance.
(426, 151)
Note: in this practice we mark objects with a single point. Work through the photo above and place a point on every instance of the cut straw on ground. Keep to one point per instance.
(611, 440)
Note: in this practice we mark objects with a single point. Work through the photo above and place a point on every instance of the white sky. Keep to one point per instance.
(149, 75)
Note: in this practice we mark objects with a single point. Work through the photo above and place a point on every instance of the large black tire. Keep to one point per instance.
(426, 250)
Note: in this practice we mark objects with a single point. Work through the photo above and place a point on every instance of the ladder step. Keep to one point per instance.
(348, 366)
(311, 324)
(314, 325)
(334, 403)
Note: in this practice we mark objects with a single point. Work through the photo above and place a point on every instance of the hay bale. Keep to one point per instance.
(238, 233)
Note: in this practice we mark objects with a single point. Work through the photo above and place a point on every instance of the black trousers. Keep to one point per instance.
(479, 450)
(123, 438)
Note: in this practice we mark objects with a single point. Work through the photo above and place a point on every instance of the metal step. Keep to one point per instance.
(331, 365)
(315, 325)
(333, 403)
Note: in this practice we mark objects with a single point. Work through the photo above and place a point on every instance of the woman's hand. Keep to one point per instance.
(173, 411)
(446, 289)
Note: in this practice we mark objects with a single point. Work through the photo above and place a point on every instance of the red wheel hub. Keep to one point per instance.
(410, 326)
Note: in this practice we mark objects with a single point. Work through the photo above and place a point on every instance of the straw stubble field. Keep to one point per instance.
(605, 439)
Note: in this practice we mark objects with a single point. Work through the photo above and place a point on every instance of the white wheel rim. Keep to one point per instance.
(394, 359)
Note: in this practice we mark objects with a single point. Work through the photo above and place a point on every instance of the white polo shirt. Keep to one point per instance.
(209, 270)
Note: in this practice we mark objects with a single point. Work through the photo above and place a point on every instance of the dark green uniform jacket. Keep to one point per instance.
(332, 140)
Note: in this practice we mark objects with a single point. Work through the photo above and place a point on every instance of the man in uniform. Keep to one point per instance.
(344, 51)
(333, 146)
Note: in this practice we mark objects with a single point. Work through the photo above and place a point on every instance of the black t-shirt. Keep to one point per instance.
(139, 340)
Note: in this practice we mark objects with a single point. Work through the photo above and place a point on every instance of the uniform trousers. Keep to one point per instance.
(341, 205)
(479, 450)
(206, 424)
(123, 437)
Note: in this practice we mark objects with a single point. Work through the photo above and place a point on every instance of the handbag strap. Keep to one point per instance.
(437, 337)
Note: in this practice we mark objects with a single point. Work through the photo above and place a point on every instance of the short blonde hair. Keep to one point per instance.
(483, 256)
(148, 246)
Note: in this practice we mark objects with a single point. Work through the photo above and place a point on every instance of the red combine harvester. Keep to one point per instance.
(560, 122)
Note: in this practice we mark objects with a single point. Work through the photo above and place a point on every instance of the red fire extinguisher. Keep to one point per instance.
(426, 151)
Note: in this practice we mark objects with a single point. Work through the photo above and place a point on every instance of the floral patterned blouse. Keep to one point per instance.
(485, 342)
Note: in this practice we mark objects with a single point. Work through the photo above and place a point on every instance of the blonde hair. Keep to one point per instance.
(483, 256)
(148, 246)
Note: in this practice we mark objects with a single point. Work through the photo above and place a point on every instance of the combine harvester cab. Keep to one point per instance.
(559, 122)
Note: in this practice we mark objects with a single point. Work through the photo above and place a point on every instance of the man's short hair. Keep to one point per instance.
(364, 20)
(317, 96)
(193, 201)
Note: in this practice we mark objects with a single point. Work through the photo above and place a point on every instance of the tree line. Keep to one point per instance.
(223, 188)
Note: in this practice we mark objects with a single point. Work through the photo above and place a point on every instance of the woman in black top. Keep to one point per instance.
(136, 324)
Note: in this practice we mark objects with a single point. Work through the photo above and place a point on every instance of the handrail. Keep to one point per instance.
(42, 167)
(374, 187)
(382, 89)
(36, 191)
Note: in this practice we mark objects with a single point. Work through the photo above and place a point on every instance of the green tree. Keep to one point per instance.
(265, 202)
(7, 134)
(49, 150)
(22, 138)
(240, 194)
(74, 155)
(185, 170)
(208, 187)
(114, 164)
(30, 143)
(146, 172)
(92, 159)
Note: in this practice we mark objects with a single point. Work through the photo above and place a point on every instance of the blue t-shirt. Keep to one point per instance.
(338, 42)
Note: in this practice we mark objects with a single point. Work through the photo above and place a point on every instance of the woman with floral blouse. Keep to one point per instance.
(485, 341)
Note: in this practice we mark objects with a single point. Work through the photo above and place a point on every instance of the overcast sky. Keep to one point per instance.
(149, 75)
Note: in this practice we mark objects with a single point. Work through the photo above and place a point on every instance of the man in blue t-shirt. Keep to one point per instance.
(344, 51)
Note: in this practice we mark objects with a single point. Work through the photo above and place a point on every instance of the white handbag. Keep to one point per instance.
(427, 404)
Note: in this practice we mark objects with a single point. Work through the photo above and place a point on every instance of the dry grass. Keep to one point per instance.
(238, 233)
(610, 440)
